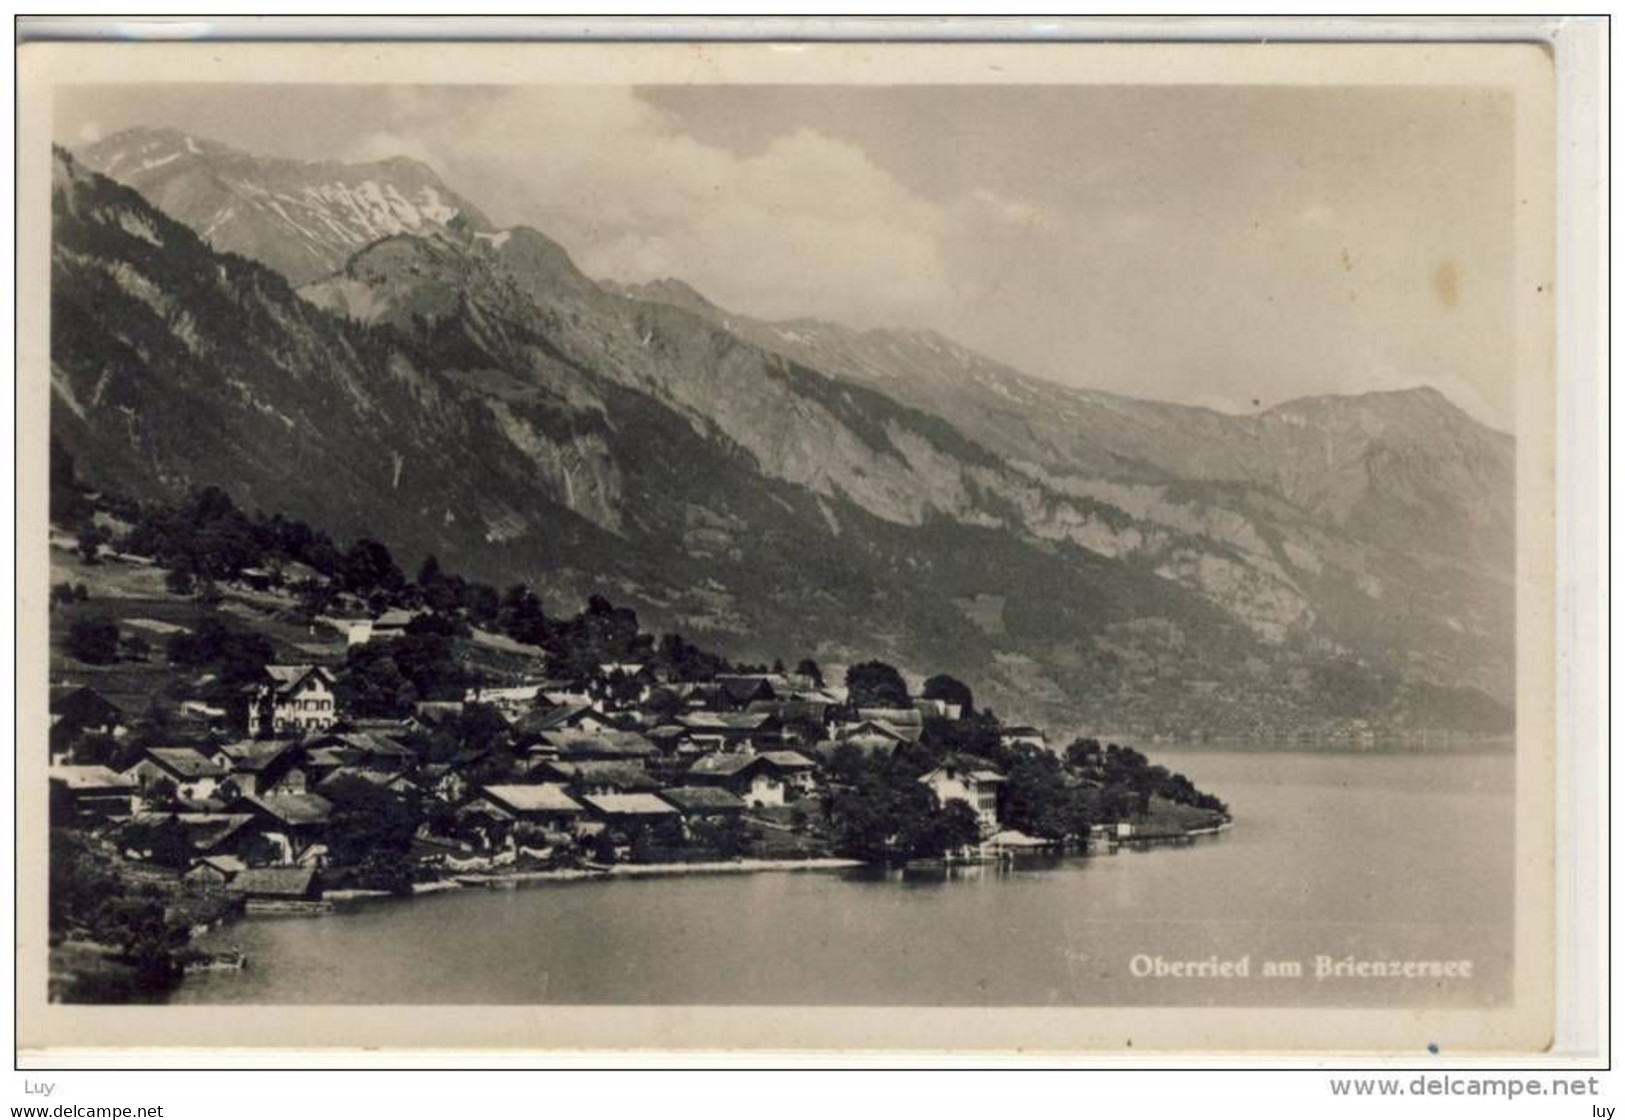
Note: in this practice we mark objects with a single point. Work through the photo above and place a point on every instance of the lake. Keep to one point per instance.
(1378, 854)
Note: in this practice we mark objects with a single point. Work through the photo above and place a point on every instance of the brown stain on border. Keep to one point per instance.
(1446, 284)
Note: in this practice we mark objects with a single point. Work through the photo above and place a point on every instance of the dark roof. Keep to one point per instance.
(204, 830)
(702, 799)
(879, 727)
(725, 765)
(791, 710)
(82, 703)
(184, 762)
(741, 689)
(539, 721)
(327, 756)
(292, 808)
(437, 711)
(869, 742)
(617, 775)
(251, 756)
(897, 717)
(359, 774)
(603, 744)
(379, 726)
(789, 760)
(972, 765)
(725, 721)
(371, 742)
(286, 677)
(210, 830)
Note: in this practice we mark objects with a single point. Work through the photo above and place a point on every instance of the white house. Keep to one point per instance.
(386, 627)
(971, 780)
(292, 700)
(1023, 736)
(514, 701)
(746, 774)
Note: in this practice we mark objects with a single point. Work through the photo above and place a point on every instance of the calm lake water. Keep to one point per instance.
(1378, 854)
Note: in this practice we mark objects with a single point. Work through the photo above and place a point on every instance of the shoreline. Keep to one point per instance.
(347, 899)
(725, 867)
(503, 879)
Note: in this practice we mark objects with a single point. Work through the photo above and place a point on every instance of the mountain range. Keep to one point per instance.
(404, 369)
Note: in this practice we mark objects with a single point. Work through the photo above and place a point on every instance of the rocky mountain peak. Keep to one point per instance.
(302, 218)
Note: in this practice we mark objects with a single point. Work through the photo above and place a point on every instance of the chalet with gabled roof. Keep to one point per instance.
(740, 690)
(81, 710)
(798, 772)
(1022, 735)
(971, 780)
(386, 627)
(600, 777)
(730, 730)
(703, 802)
(532, 729)
(514, 702)
(747, 775)
(295, 822)
(292, 700)
(94, 792)
(379, 779)
(194, 776)
(262, 766)
(371, 749)
(546, 805)
(601, 746)
(628, 809)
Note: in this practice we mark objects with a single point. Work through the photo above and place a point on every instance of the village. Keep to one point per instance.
(411, 749)
(598, 764)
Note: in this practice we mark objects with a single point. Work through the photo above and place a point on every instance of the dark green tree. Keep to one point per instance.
(368, 821)
(91, 539)
(875, 684)
(93, 641)
(950, 691)
(368, 567)
(523, 619)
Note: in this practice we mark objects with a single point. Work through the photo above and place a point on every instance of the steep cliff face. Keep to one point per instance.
(1379, 525)
(783, 489)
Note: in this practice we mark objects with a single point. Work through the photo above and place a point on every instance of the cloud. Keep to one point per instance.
(807, 225)
(1011, 211)
(386, 145)
(1139, 250)
(89, 132)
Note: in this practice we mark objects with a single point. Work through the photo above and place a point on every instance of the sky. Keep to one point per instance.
(1230, 247)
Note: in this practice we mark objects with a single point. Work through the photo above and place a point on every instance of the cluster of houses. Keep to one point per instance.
(623, 750)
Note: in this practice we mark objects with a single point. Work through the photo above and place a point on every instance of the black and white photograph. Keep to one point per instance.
(1055, 536)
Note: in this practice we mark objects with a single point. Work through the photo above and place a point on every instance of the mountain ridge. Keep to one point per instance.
(501, 331)
(303, 218)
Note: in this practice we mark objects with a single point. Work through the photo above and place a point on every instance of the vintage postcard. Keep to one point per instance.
(826, 547)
